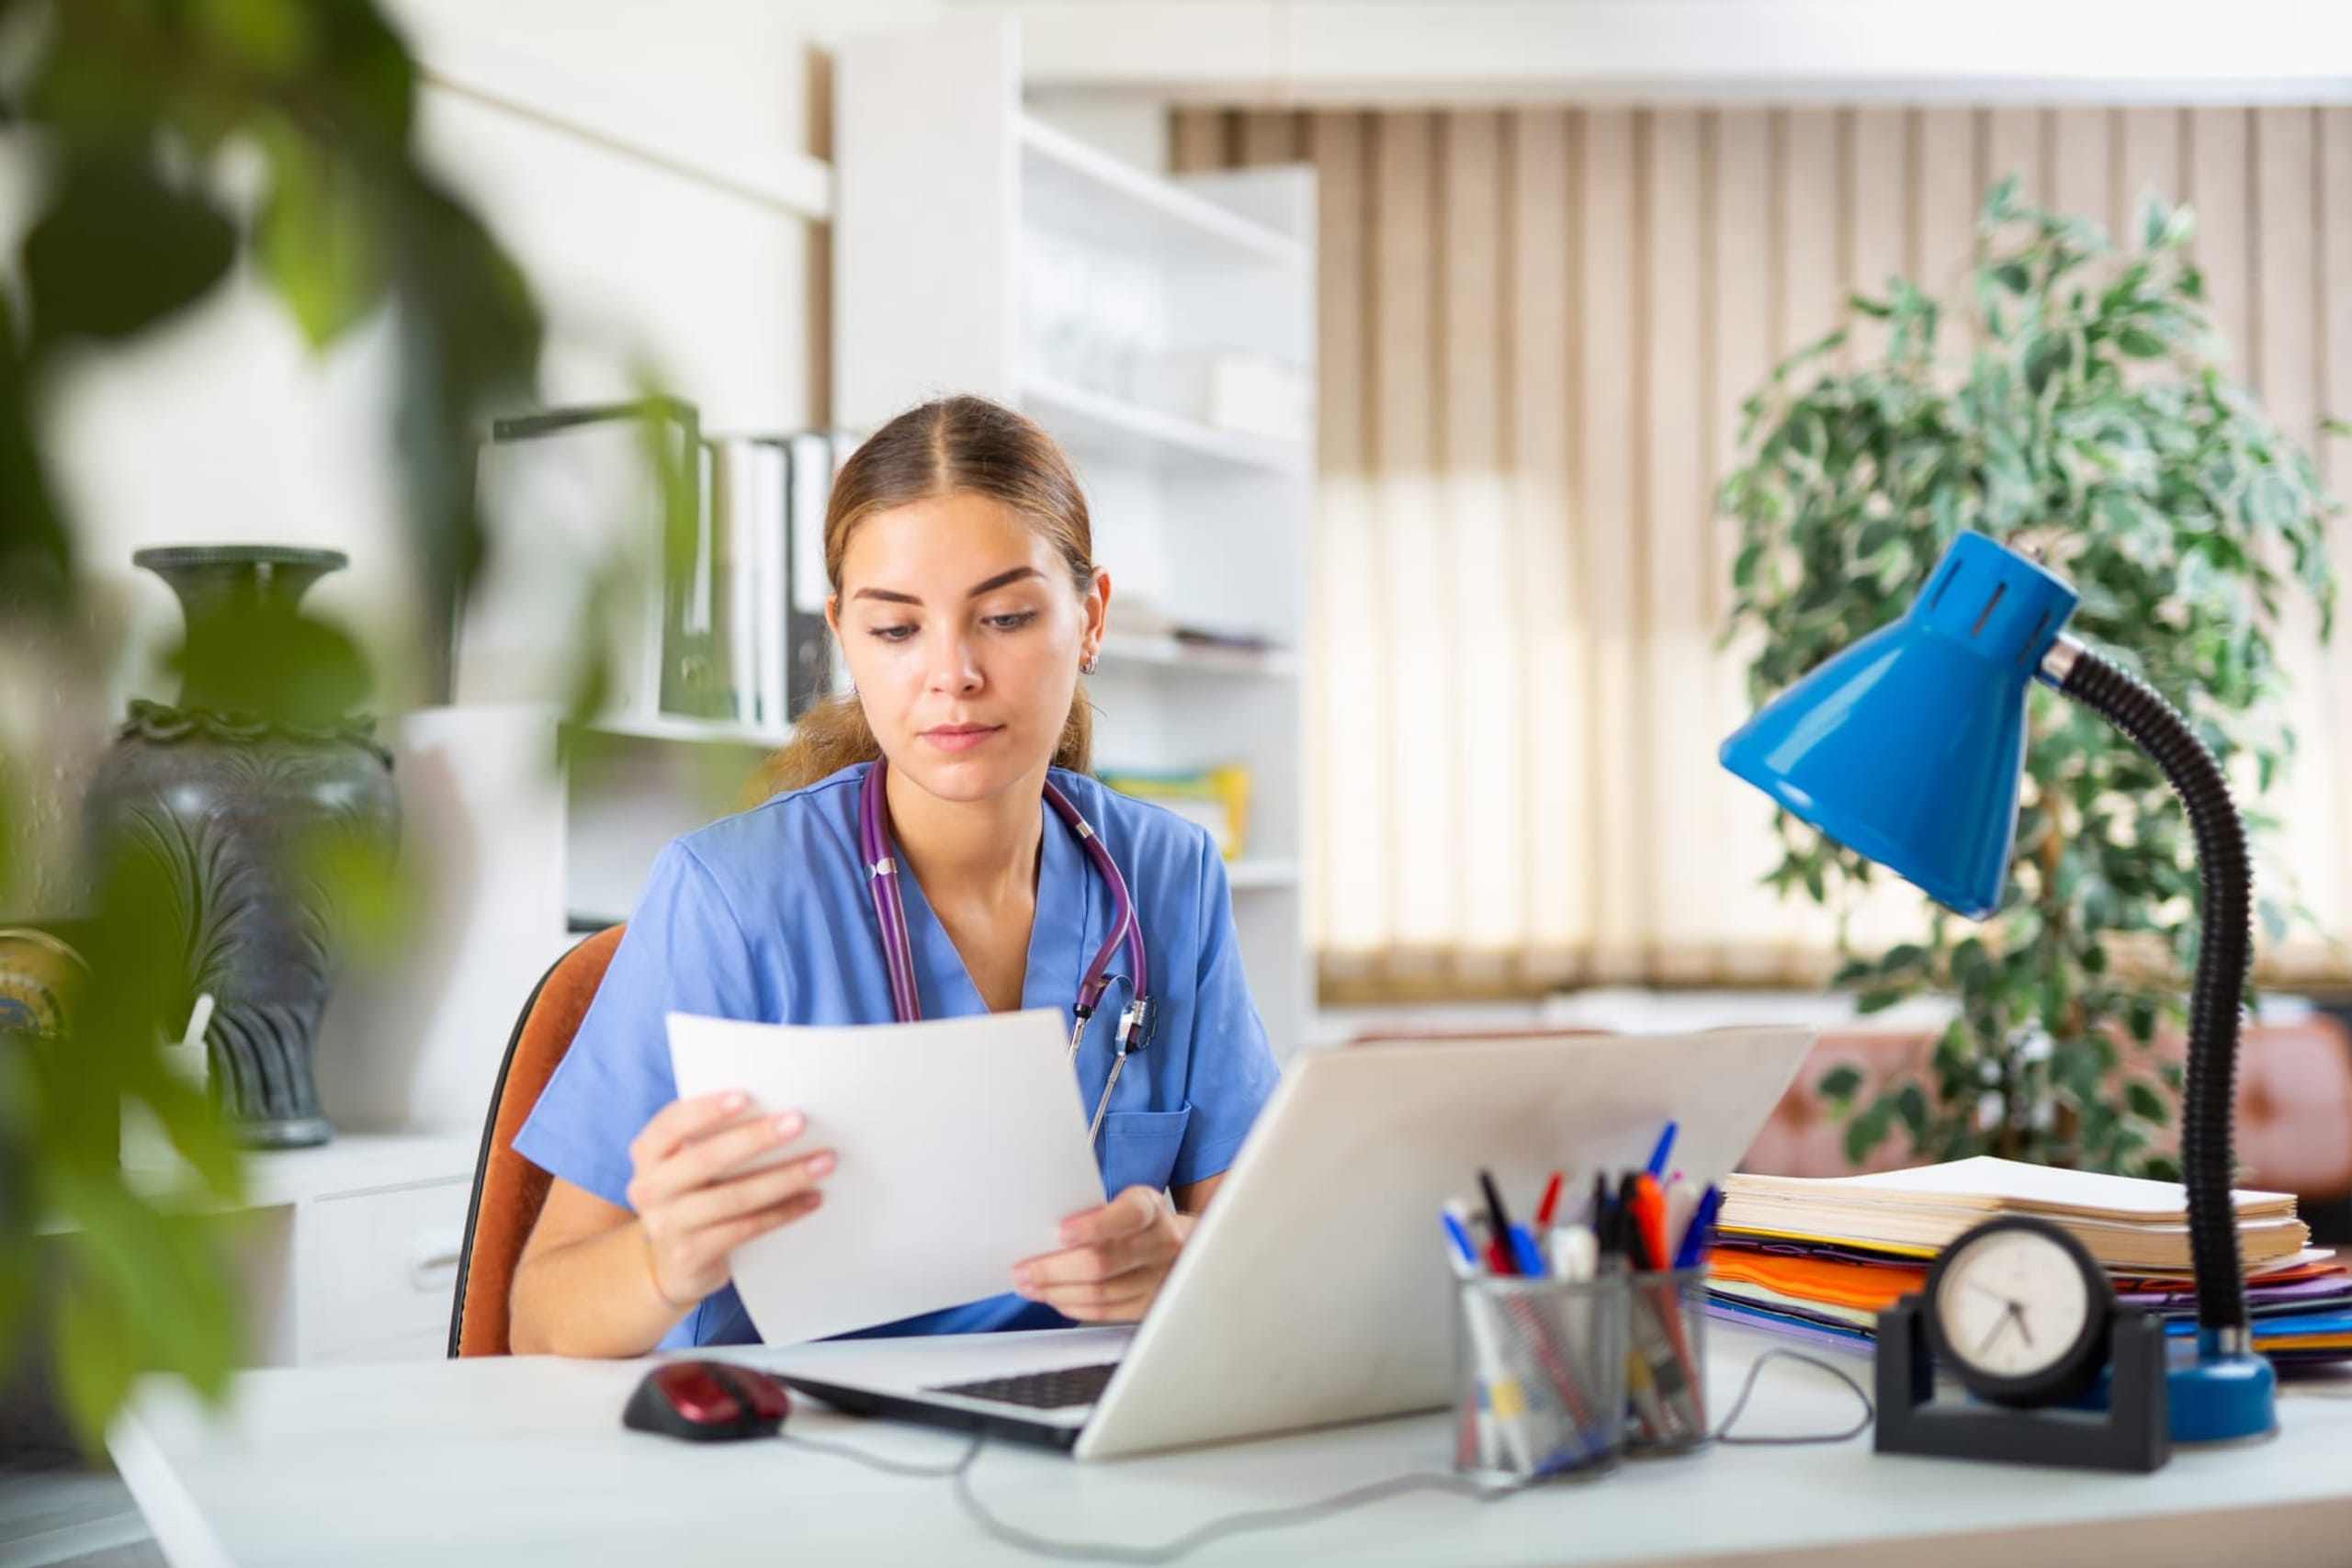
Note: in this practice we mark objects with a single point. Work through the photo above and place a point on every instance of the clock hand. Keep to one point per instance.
(2004, 1322)
(2019, 1313)
(1989, 1291)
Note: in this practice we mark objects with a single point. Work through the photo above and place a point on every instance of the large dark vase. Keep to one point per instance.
(228, 790)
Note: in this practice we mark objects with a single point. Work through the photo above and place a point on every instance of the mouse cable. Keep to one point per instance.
(960, 1473)
(1756, 1368)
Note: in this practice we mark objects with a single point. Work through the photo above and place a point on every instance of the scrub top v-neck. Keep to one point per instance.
(765, 916)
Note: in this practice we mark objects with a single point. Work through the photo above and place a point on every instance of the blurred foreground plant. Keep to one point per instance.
(127, 116)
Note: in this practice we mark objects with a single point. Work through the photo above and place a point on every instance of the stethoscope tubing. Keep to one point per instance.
(898, 954)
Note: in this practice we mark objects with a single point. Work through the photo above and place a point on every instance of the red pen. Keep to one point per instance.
(1551, 1201)
(1648, 1207)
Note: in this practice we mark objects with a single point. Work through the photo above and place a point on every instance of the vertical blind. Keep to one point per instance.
(1537, 327)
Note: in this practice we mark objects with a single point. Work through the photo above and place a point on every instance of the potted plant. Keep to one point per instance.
(2086, 419)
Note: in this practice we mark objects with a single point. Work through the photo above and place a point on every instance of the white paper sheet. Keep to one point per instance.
(962, 1147)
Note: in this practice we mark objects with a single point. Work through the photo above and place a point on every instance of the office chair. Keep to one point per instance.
(508, 1188)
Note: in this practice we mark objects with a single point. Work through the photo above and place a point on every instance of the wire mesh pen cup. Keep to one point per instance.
(1540, 1372)
(1666, 1372)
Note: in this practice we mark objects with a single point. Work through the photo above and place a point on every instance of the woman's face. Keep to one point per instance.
(963, 633)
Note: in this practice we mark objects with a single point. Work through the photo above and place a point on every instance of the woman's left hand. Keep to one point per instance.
(1114, 1262)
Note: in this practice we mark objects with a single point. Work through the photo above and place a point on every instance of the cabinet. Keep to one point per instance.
(347, 1252)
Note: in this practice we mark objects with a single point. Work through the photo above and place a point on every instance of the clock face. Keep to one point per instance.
(2012, 1302)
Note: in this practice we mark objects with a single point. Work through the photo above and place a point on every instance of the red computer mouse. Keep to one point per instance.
(708, 1402)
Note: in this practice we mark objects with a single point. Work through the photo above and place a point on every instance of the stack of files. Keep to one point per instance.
(767, 542)
(1820, 1259)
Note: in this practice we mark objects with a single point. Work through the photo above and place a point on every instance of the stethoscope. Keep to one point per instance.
(897, 953)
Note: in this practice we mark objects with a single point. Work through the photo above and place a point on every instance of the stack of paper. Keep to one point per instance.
(1822, 1259)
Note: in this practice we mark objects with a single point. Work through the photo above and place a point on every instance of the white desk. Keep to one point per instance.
(525, 1462)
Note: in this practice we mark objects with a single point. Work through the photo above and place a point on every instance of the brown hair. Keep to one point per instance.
(942, 448)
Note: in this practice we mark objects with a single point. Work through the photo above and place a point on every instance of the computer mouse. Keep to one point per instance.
(708, 1402)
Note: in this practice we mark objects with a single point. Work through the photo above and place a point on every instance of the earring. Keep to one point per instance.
(1086, 665)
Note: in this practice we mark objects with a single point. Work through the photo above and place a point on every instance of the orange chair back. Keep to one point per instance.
(508, 1188)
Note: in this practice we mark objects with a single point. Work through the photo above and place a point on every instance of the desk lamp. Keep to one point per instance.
(1907, 747)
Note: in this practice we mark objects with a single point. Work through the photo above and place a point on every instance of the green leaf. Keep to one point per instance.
(36, 575)
(273, 36)
(2001, 201)
(95, 1361)
(2141, 343)
(1911, 1105)
(317, 241)
(1841, 1082)
(1867, 1132)
(118, 251)
(2145, 1104)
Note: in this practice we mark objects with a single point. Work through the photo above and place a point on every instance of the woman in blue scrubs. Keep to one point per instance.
(966, 600)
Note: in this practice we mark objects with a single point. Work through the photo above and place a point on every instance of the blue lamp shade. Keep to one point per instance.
(1907, 747)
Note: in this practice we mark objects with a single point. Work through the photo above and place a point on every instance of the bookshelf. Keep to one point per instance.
(1142, 321)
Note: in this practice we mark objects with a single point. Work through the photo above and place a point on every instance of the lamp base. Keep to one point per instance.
(2222, 1397)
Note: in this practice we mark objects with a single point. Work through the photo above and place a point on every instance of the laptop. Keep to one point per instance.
(1316, 1289)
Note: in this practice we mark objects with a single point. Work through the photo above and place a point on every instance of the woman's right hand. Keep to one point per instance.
(694, 1213)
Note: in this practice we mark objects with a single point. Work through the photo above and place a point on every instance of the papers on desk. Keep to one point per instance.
(1819, 1259)
(962, 1145)
(2125, 1223)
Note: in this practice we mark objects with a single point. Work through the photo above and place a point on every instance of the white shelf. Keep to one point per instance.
(705, 731)
(1214, 263)
(1138, 651)
(1091, 423)
(1253, 875)
(1071, 188)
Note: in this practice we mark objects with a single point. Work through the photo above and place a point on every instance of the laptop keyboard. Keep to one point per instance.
(1057, 1390)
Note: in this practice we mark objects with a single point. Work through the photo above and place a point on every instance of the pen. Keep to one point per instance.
(1575, 1250)
(1621, 1253)
(1531, 1328)
(1646, 1216)
(1661, 1153)
(1498, 1216)
(1549, 1204)
(1457, 1233)
(1525, 1257)
(1703, 1223)
(1657, 1319)
(1504, 1397)
(1481, 1434)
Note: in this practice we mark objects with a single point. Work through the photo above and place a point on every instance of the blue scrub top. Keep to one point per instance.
(765, 916)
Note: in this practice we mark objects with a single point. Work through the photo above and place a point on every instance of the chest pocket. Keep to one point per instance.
(1139, 1148)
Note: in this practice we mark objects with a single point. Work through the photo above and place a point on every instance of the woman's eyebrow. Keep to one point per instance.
(991, 585)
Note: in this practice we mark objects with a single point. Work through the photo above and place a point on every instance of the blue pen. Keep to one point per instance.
(1525, 1253)
(1702, 1221)
(1660, 1155)
(1459, 1234)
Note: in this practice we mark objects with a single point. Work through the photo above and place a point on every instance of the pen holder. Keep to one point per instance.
(1666, 1364)
(1539, 1377)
